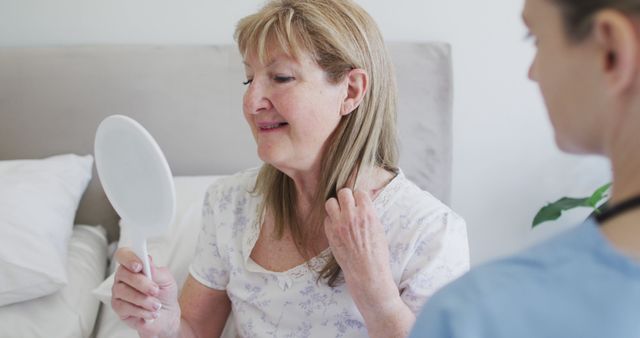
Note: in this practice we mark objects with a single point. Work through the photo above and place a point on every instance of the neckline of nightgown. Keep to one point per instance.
(317, 262)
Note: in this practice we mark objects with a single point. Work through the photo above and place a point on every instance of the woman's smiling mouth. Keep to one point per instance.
(271, 126)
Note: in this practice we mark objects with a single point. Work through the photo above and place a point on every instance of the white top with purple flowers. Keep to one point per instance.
(427, 243)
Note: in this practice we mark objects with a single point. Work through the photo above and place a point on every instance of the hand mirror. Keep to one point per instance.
(137, 180)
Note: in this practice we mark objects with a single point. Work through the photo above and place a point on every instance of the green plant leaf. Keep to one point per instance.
(598, 196)
(547, 213)
(553, 211)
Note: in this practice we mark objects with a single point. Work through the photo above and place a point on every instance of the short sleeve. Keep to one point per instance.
(209, 266)
(440, 255)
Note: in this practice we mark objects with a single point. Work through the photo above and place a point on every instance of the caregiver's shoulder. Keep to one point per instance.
(509, 288)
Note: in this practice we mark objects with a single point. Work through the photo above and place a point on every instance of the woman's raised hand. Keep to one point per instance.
(357, 240)
(148, 306)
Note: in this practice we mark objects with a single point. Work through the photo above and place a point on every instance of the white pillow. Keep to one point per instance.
(175, 249)
(72, 311)
(38, 202)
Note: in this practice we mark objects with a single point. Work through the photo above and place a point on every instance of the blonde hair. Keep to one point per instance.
(340, 36)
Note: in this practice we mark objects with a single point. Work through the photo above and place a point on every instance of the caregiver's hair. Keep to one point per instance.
(339, 36)
(578, 14)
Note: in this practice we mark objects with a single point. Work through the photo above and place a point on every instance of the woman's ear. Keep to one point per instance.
(357, 86)
(617, 40)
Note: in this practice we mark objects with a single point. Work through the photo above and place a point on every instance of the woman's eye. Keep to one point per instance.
(247, 82)
(283, 79)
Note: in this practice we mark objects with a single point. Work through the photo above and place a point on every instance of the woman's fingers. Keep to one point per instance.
(344, 211)
(346, 200)
(333, 209)
(127, 258)
(126, 293)
(333, 215)
(362, 199)
(129, 272)
(138, 300)
(137, 281)
(126, 310)
(352, 221)
(129, 302)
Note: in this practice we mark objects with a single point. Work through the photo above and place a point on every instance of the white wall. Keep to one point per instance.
(505, 163)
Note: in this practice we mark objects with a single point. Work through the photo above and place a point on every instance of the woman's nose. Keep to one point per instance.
(256, 98)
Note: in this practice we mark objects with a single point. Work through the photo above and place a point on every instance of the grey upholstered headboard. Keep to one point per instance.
(189, 98)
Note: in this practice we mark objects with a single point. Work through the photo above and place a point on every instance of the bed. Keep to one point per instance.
(189, 98)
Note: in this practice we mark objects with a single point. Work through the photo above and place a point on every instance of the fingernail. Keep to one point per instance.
(155, 315)
(155, 290)
(157, 306)
(136, 267)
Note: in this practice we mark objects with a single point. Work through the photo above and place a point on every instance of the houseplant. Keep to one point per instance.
(553, 211)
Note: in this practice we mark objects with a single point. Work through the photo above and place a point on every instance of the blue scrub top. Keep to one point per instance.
(575, 285)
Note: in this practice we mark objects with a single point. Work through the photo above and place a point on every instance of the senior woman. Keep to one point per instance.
(328, 238)
(586, 282)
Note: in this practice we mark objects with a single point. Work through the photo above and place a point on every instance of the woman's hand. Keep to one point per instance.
(149, 307)
(359, 244)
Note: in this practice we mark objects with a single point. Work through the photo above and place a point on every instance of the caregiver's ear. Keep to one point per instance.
(357, 85)
(618, 41)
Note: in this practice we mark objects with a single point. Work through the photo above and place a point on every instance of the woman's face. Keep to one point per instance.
(566, 72)
(292, 110)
